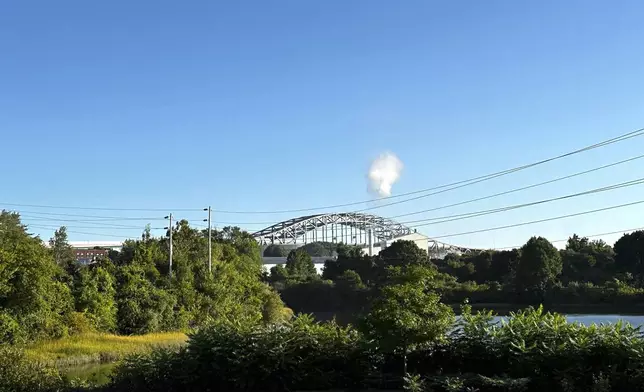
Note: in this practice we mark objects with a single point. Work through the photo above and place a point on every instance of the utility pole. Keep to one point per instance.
(170, 228)
(209, 239)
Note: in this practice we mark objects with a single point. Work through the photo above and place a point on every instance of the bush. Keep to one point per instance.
(78, 323)
(17, 374)
(10, 331)
(300, 355)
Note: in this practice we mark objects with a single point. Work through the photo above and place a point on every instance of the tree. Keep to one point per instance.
(299, 264)
(349, 280)
(95, 296)
(405, 316)
(320, 249)
(403, 252)
(30, 286)
(629, 254)
(63, 253)
(539, 265)
(278, 273)
(275, 251)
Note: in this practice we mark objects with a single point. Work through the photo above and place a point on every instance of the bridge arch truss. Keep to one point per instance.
(347, 227)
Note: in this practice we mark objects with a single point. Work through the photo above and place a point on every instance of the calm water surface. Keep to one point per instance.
(589, 319)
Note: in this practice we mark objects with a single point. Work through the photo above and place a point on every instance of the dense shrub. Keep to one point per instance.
(17, 374)
(10, 330)
(301, 355)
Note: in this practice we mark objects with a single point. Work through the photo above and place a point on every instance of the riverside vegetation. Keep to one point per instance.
(586, 274)
(241, 337)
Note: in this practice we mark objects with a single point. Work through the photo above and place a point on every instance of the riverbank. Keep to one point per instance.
(503, 309)
(98, 348)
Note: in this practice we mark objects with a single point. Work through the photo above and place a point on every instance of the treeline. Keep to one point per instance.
(45, 293)
(584, 272)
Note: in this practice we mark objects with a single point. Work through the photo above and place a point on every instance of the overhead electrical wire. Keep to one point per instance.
(451, 186)
(467, 215)
(93, 227)
(31, 218)
(80, 232)
(582, 236)
(98, 217)
(535, 221)
(478, 198)
(521, 188)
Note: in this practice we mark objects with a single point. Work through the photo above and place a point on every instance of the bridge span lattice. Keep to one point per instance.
(346, 227)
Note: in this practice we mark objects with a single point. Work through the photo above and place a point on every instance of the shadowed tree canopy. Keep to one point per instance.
(275, 250)
(539, 265)
(629, 254)
(299, 264)
(403, 252)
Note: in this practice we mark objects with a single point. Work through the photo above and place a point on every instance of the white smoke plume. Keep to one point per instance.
(383, 174)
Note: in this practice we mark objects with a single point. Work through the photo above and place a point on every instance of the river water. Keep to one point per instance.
(589, 319)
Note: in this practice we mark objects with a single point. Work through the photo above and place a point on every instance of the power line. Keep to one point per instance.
(78, 232)
(584, 236)
(100, 208)
(99, 217)
(94, 227)
(476, 199)
(521, 188)
(454, 185)
(537, 221)
(451, 218)
(98, 223)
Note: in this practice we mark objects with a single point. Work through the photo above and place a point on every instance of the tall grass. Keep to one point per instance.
(98, 348)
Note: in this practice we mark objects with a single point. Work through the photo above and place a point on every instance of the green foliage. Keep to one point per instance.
(629, 256)
(95, 297)
(10, 331)
(301, 355)
(539, 265)
(62, 252)
(274, 250)
(142, 307)
(300, 265)
(403, 253)
(18, 374)
(405, 316)
(30, 286)
(44, 294)
(320, 249)
(278, 274)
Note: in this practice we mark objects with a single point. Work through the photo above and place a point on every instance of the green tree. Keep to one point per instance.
(30, 286)
(629, 254)
(63, 253)
(274, 250)
(349, 280)
(539, 265)
(95, 296)
(300, 265)
(405, 316)
(403, 252)
(278, 273)
(320, 249)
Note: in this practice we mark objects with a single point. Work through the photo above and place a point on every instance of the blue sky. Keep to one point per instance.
(255, 105)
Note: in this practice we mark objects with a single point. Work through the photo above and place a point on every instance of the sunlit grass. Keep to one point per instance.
(95, 348)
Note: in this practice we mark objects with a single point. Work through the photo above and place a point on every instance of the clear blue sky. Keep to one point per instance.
(270, 105)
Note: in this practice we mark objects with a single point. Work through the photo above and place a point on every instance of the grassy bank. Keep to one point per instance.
(98, 348)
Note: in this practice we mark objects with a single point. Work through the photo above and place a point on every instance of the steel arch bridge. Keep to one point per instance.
(347, 227)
